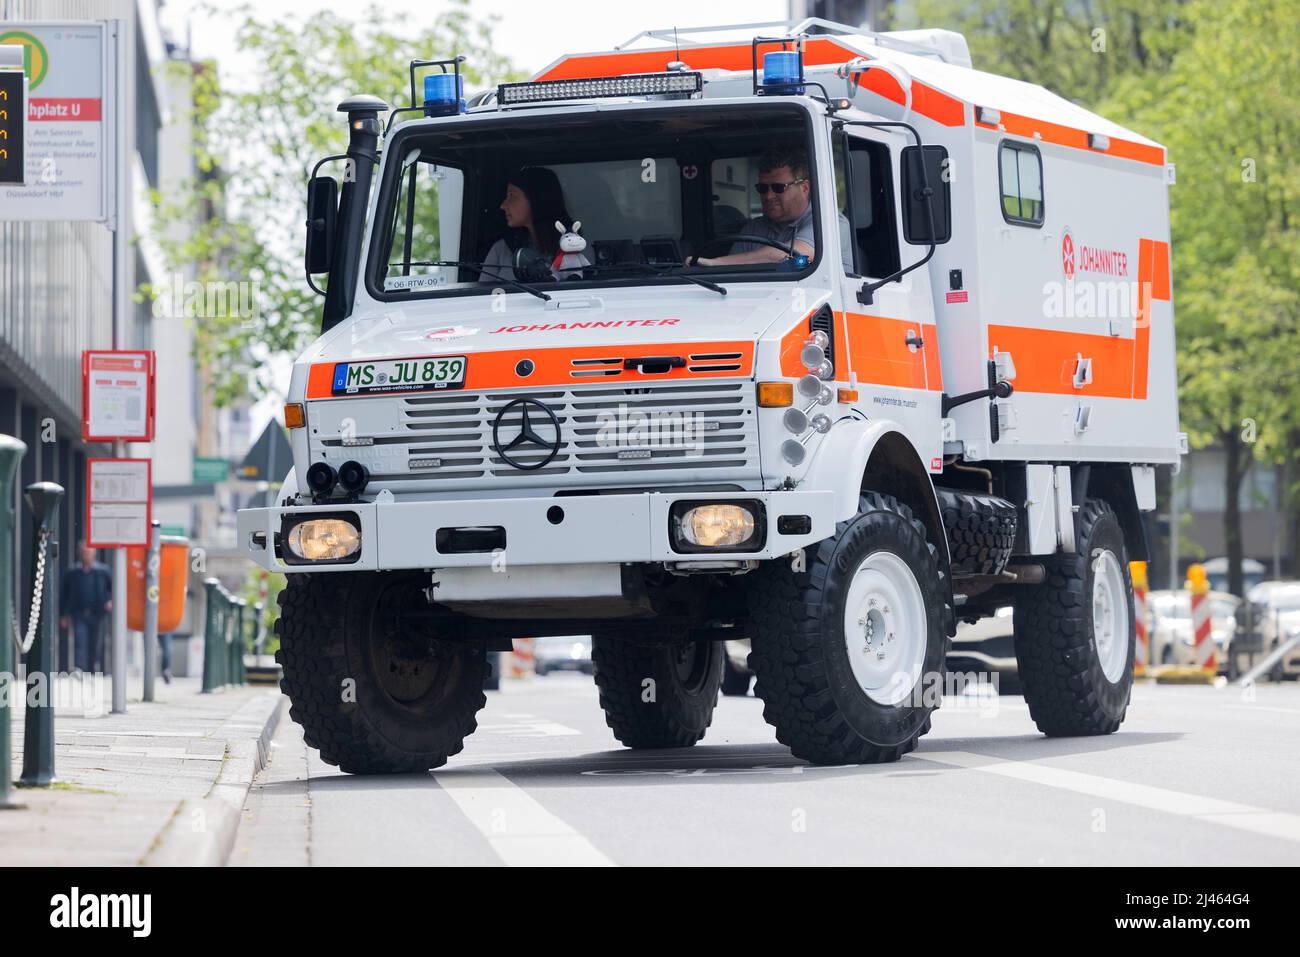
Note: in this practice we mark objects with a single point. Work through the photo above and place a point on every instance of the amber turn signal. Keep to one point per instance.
(775, 395)
(295, 415)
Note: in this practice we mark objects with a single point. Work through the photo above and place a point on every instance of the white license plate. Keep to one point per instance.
(399, 375)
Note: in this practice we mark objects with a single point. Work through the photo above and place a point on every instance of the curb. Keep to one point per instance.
(201, 833)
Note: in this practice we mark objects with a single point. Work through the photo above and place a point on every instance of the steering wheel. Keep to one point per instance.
(745, 238)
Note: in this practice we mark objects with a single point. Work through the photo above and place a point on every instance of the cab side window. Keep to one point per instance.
(869, 205)
(1020, 172)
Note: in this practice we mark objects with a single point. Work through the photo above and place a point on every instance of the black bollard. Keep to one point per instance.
(38, 733)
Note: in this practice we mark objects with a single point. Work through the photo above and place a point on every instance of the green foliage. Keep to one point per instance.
(1077, 49)
(241, 217)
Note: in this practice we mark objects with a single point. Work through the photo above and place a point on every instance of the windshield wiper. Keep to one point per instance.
(478, 268)
(662, 270)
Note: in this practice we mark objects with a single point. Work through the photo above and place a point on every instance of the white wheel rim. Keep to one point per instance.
(1110, 614)
(886, 629)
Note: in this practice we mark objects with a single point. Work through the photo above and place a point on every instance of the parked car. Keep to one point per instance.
(562, 653)
(1271, 617)
(1172, 639)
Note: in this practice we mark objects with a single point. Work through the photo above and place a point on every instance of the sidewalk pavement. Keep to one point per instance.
(163, 784)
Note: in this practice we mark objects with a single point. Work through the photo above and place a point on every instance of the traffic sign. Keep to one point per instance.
(117, 395)
(209, 470)
(119, 502)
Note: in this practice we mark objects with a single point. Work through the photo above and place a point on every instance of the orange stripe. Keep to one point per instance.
(880, 356)
(739, 56)
(1026, 126)
(792, 344)
(496, 370)
(1046, 358)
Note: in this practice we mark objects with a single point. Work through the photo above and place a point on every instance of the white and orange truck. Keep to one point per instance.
(862, 342)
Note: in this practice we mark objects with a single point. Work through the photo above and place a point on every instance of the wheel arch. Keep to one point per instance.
(877, 456)
(1113, 484)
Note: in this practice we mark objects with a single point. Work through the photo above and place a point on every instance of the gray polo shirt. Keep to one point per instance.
(800, 229)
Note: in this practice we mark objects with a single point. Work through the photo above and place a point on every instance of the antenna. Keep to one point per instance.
(677, 44)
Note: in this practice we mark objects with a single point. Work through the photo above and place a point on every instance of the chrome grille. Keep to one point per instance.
(610, 435)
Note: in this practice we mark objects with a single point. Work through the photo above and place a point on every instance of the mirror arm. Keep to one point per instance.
(868, 289)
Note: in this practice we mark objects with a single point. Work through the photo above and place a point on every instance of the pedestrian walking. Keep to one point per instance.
(87, 598)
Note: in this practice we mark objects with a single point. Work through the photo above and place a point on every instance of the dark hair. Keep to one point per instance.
(546, 199)
(793, 157)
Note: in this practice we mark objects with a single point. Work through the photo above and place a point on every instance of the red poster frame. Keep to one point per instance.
(148, 509)
(151, 359)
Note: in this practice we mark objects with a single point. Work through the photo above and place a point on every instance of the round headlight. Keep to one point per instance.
(321, 478)
(718, 526)
(324, 539)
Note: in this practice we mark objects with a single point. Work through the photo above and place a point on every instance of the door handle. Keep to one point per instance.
(913, 340)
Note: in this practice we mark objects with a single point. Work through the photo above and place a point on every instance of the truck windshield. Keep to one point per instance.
(718, 193)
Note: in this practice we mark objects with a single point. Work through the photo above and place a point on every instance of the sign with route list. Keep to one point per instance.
(117, 396)
(118, 502)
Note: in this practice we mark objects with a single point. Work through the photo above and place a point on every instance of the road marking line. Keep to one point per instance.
(1243, 816)
(519, 830)
(1260, 707)
(528, 726)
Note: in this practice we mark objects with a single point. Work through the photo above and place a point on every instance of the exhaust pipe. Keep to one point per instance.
(364, 130)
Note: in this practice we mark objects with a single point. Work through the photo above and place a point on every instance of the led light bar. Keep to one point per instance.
(637, 84)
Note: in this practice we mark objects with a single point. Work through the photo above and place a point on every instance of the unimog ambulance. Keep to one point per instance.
(847, 342)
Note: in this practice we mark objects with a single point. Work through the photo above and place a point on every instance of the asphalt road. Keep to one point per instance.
(1196, 776)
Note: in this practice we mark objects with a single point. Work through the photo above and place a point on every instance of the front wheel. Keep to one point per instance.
(849, 652)
(374, 693)
(657, 696)
(1075, 633)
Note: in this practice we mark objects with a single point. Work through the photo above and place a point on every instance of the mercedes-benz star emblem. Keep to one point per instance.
(528, 435)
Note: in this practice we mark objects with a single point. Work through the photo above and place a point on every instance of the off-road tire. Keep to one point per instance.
(799, 655)
(331, 649)
(1066, 690)
(680, 707)
(981, 531)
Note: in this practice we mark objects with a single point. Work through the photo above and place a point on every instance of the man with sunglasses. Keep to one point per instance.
(786, 191)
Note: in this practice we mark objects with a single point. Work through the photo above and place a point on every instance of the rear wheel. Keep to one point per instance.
(849, 653)
(374, 694)
(1075, 634)
(657, 696)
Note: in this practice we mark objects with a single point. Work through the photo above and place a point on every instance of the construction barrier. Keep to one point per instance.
(1202, 635)
(1205, 666)
(1141, 619)
(521, 658)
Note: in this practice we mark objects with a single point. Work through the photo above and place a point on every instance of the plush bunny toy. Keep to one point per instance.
(569, 261)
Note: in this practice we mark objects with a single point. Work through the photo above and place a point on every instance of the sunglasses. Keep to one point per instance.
(777, 188)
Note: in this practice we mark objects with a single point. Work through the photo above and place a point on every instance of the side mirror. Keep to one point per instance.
(531, 266)
(322, 211)
(933, 161)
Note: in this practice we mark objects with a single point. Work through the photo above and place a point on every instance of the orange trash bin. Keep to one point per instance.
(172, 572)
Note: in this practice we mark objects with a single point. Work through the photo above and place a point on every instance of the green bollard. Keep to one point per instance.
(245, 619)
(236, 637)
(38, 731)
(211, 661)
(11, 453)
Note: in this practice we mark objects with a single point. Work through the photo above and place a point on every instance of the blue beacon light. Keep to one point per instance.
(783, 72)
(441, 95)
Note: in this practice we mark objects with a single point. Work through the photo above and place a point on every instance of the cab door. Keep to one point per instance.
(893, 347)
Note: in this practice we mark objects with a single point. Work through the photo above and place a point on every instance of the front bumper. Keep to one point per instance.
(593, 529)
